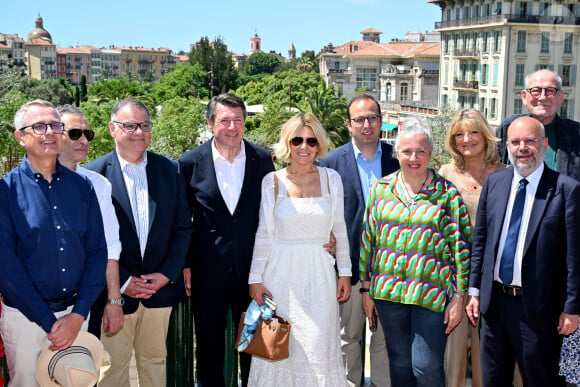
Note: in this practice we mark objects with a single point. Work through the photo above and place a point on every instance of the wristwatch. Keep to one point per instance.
(117, 301)
(364, 290)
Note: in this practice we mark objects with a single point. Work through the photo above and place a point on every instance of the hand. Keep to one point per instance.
(472, 309)
(137, 289)
(113, 319)
(343, 289)
(64, 331)
(187, 280)
(369, 308)
(567, 324)
(155, 281)
(257, 291)
(453, 314)
(330, 247)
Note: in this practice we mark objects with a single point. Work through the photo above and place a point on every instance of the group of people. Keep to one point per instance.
(477, 258)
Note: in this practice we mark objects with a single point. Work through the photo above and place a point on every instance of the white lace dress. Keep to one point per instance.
(291, 263)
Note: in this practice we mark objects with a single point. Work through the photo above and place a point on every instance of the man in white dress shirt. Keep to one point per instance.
(75, 146)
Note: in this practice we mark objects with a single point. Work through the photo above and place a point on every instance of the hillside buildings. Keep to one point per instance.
(488, 46)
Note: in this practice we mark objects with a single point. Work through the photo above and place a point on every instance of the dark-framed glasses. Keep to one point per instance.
(75, 134)
(548, 91)
(360, 121)
(528, 142)
(40, 128)
(131, 127)
(311, 141)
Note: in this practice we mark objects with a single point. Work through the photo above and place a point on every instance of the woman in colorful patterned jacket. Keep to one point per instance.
(414, 261)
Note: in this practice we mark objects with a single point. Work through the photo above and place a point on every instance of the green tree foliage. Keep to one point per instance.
(217, 62)
(177, 126)
(83, 94)
(439, 125)
(117, 89)
(10, 151)
(261, 62)
(185, 80)
(330, 109)
(98, 116)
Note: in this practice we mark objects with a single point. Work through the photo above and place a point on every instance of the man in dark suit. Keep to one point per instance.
(543, 95)
(524, 265)
(150, 201)
(360, 164)
(223, 178)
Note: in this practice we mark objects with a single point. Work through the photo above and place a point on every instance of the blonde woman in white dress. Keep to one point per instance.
(301, 205)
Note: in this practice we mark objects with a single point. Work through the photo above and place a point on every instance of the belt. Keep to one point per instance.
(508, 289)
(54, 305)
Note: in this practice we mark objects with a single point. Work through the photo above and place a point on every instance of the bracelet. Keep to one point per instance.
(458, 295)
(364, 290)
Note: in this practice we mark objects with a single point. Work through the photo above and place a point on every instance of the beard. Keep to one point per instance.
(526, 169)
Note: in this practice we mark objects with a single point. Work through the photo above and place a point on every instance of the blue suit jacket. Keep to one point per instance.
(343, 161)
(551, 261)
(169, 227)
(222, 243)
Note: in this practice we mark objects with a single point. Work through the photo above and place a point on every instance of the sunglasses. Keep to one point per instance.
(75, 134)
(311, 141)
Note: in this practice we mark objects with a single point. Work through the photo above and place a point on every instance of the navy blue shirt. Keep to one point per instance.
(52, 242)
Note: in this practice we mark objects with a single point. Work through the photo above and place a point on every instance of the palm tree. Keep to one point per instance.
(330, 109)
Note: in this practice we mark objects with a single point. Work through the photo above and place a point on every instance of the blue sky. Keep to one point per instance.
(309, 24)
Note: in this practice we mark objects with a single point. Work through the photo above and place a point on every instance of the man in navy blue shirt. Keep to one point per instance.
(53, 255)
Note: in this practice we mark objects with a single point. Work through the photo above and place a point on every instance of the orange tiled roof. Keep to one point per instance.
(399, 49)
(39, 42)
(369, 30)
(70, 50)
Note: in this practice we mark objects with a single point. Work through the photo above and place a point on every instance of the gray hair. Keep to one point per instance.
(414, 125)
(226, 99)
(557, 79)
(20, 115)
(131, 102)
(70, 109)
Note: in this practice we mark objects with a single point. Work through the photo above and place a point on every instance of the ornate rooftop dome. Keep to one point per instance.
(39, 32)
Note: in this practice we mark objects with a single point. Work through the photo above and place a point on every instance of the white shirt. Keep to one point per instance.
(103, 190)
(229, 175)
(531, 188)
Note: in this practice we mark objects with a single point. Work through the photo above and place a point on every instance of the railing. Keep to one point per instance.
(458, 83)
(511, 18)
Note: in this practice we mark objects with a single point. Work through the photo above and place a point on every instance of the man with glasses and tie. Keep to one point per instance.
(53, 252)
(543, 96)
(360, 164)
(74, 149)
(150, 202)
(525, 264)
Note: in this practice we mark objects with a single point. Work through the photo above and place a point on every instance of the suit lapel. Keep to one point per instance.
(544, 193)
(153, 188)
(119, 189)
(499, 199)
(352, 167)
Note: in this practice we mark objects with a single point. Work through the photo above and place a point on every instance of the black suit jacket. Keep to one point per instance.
(343, 161)
(169, 227)
(551, 264)
(568, 144)
(222, 244)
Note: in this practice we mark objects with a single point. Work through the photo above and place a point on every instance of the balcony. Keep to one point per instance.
(128, 60)
(466, 85)
(146, 61)
(466, 53)
(510, 18)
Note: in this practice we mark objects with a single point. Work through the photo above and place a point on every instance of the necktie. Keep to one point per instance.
(137, 204)
(506, 265)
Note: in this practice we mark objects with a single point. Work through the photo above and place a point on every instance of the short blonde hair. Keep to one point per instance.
(471, 119)
(290, 130)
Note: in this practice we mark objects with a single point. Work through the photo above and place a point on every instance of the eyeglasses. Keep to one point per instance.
(238, 123)
(40, 128)
(528, 142)
(311, 141)
(537, 91)
(131, 127)
(75, 134)
(360, 121)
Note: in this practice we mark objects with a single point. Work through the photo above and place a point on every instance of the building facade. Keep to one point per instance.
(488, 46)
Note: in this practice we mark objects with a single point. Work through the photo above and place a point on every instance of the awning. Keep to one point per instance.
(389, 127)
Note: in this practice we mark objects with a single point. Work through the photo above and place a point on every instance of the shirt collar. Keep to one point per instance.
(30, 172)
(215, 154)
(123, 163)
(533, 178)
(358, 152)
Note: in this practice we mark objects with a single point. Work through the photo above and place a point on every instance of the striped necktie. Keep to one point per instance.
(138, 202)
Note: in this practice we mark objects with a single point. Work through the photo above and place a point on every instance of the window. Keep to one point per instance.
(404, 91)
(482, 107)
(336, 65)
(485, 41)
(568, 42)
(448, 14)
(521, 41)
(518, 106)
(545, 45)
(495, 74)
(568, 74)
(519, 74)
(457, 13)
(493, 107)
(389, 95)
(523, 8)
(496, 41)
(484, 74)
(446, 73)
(498, 8)
(366, 78)
(444, 99)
